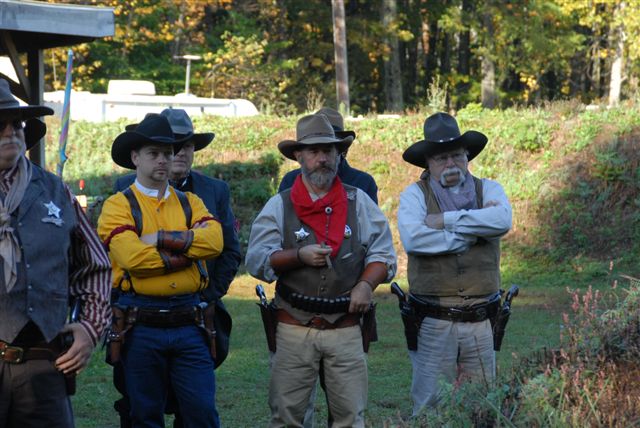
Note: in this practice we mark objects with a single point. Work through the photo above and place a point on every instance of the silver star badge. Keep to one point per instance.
(347, 231)
(301, 234)
(54, 211)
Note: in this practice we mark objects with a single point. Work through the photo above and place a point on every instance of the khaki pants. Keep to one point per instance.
(295, 368)
(450, 351)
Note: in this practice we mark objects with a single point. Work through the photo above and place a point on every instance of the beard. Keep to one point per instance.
(450, 172)
(321, 177)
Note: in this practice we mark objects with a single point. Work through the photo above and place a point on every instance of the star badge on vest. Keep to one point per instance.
(301, 234)
(53, 214)
(347, 231)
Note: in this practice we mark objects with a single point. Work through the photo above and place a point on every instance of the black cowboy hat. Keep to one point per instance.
(441, 134)
(10, 106)
(337, 121)
(311, 130)
(154, 129)
(181, 125)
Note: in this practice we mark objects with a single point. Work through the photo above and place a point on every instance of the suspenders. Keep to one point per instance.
(136, 212)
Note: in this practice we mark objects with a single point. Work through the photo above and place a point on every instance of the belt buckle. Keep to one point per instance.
(317, 323)
(454, 314)
(12, 354)
(481, 313)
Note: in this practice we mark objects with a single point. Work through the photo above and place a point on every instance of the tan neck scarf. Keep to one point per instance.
(9, 246)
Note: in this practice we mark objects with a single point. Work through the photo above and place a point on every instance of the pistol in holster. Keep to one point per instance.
(122, 319)
(269, 318)
(369, 327)
(205, 319)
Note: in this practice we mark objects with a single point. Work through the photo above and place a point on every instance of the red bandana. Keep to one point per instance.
(315, 214)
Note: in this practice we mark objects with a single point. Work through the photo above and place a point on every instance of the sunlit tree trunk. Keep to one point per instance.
(488, 85)
(340, 49)
(392, 74)
(617, 41)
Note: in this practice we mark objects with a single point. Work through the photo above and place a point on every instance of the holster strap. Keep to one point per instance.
(475, 313)
(322, 305)
(318, 322)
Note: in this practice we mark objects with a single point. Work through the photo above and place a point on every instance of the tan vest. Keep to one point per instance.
(347, 266)
(474, 273)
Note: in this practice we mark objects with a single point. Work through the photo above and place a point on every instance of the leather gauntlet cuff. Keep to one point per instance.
(174, 262)
(374, 274)
(176, 241)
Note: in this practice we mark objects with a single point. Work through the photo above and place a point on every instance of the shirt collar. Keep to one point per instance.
(151, 192)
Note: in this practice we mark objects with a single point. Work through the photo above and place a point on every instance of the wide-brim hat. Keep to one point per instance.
(9, 105)
(310, 130)
(154, 129)
(337, 121)
(182, 126)
(34, 130)
(441, 134)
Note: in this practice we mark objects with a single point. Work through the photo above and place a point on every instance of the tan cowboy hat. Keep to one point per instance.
(10, 106)
(441, 134)
(336, 120)
(154, 129)
(310, 130)
(181, 125)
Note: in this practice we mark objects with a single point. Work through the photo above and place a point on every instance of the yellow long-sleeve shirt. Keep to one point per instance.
(146, 268)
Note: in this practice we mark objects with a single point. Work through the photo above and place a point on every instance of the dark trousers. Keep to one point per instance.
(33, 395)
(155, 359)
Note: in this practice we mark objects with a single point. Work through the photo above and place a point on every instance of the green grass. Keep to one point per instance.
(243, 379)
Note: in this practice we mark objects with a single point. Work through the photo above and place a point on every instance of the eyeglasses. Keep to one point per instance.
(456, 157)
(17, 124)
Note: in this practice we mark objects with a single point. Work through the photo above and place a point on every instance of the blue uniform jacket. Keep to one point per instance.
(347, 174)
(216, 197)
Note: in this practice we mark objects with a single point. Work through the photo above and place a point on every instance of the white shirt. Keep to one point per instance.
(461, 228)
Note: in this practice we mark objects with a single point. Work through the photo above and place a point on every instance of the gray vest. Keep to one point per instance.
(474, 273)
(347, 267)
(41, 293)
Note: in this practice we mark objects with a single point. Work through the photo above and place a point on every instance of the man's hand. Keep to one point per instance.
(361, 297)
(314, 255)
(435, 221)
(77, 357)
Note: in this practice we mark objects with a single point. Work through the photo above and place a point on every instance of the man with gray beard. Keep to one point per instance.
(328, 246)
(450, 224)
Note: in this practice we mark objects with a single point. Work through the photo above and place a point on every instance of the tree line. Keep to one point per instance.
(401, 54)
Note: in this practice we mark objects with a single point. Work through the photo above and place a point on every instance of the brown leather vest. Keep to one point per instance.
(347, 266)
(473, 273)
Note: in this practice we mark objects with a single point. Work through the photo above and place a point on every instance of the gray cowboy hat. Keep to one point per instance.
(10, 106)
(181, 125)
(310, 130)
(336, 120)
(441, 134)
(154, 129)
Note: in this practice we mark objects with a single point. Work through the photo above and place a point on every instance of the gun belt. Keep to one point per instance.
(475, 313)
(319, 305)
(167, 318)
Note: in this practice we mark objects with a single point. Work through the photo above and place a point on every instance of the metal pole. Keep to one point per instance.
(186, 79)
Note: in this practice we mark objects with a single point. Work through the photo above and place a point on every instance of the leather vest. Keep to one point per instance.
(347, 266)
(474, 273)
(41, 293)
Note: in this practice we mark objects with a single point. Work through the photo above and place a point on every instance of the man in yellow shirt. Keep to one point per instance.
(157, 239)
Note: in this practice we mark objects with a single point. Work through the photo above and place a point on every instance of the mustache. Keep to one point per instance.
(10, 140)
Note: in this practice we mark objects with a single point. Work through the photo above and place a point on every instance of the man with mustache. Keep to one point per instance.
(49, 255)
(158, 239)
(322, 241)
(450, 224)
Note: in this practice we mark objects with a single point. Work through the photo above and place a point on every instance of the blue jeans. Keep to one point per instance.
(153, 357)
